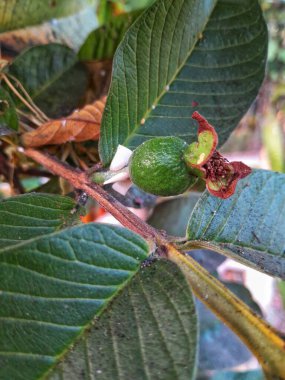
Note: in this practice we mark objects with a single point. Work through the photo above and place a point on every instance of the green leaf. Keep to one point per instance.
(179, 57)
(149, 332)
(52, 288)
(20, 13)
(273, 142)
(249, 226)
(131, 5)
(31, 215)
(102, 42)
(172, 216)
(53, 77)
(71, 31)
(8, 114)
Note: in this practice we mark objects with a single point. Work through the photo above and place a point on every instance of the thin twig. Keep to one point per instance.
(80, 181)
(30, 100)
(29, 117)
(23, 100)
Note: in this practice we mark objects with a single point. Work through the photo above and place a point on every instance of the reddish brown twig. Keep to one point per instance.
(81, 181)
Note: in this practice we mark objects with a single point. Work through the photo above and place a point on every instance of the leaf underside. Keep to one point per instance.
(249, 226)
(148, 333)
(179, 57)
(53, 287)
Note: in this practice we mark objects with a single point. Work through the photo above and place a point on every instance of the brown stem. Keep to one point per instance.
(80, 181)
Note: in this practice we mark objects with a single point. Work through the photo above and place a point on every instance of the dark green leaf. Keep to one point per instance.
(102, 43)
(208, 259)
(20, 13)
(149, 332)
(53, 77)
(172, 215)
(8, 115)
(52, 288)
(32, 215)
(179, 57)
(250, 225)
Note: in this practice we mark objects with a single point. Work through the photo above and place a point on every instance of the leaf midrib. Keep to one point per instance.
(148, 111)
(54, 79)
(88, 325)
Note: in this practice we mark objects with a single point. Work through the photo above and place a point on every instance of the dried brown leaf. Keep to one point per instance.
(81, 125)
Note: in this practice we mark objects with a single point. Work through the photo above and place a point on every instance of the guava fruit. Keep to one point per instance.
(157, 167)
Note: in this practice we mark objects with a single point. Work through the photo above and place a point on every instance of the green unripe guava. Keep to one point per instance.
(157, 167)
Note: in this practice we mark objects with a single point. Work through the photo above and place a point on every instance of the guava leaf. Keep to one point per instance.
(20, 13)
(29, 216)
(71, 31)
(149, 332)
(180, 57)
(172, 215)
(102, 42)
(52, 289)
(249, 226)
(8, 114)
(52, 76)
